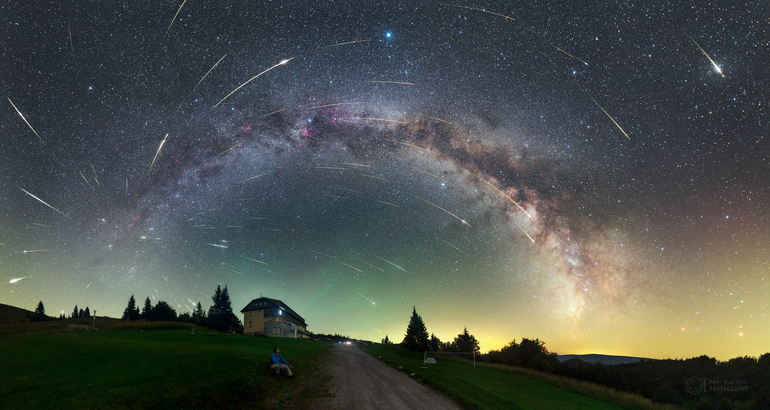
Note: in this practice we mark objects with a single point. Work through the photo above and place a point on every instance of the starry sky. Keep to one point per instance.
(595, 177)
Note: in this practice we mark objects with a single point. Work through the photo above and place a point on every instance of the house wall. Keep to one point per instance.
(254, 321)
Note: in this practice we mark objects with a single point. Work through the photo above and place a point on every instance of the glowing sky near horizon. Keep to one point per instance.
(581, 175)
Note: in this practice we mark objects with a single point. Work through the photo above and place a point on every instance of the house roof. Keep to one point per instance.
(263, 303)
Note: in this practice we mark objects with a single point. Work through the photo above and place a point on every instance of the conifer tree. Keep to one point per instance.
(87, 313)
(221, 316)
(147, 309)
(386, 341)
(132, 311)
(465, 342)
(81, 313)
(416, 338)
(434, 343)
(39, 315)
(200, 315)
(75, 312)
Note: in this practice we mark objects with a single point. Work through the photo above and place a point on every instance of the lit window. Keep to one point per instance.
(249, 314)
(259, 313)
(249, 324)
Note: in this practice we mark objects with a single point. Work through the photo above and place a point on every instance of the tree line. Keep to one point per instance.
(220, 315)
(417, 339)
(700, 383)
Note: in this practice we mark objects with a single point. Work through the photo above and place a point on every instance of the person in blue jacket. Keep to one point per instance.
(278, 363)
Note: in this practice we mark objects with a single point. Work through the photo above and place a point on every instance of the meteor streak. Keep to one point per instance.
(156, 154)
(321, 253)
(332, 105)
(207, 72)
(385, 260)
(84, 177)
(228, 150)
(458, 249)
(436, 176)
(376, 119)
(254, 260)
(387, 203)
(388, 82)
(567, 53)
(613, 120)
(348, 42)
(247, 179)
(36, 250)
(217, 245)
(434, 118)
(457, 217)
(72, 47)
(95, 179)
(177, 13)
(274, 112)
(283, 62)
(485, 11)
(719, 70)
(503, 194)
(525, 232)
(366, 298)
(43, 202)
(19, 279)
(25, 120)
(351, 267)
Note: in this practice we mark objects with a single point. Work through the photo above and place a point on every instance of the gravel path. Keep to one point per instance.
(362, 382)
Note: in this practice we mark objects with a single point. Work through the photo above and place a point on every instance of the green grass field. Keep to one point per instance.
(156, 369)
(503, 387)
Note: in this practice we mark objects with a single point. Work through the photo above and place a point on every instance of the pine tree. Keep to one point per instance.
(147, 309)
(465, 342)
(87, 312)
(221, 316)
(386, 341)
(81, 313)
(416, 338)
(434, 343)
(75, 312)
(200, 315)
(39, 315)
(163, 312)
(131, 312)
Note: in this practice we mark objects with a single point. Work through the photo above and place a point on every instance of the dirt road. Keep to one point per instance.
(362, 382)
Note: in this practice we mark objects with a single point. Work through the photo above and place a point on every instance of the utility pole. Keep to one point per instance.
(93, 326)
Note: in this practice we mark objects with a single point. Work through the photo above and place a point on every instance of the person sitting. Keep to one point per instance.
(278, 363)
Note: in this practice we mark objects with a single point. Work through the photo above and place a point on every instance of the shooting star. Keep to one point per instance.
(283, 62)
(165, 278)
(19, 279)
(334, 105)
(366, 298)
(385, 260)
(84, 177)
(457, 217)
(43, 202)
(247, 179)
(233, 270)
(379, 269)
(321, 253)
(436, 176)
(72, 47)
(525, 232)
(503, 194)
(719, 70)
(25, 120)
(207, 72)
(89, 285)
(567, 53)
(156, 154)
(387, 203)
(347, 42)
(274, 112)
(36, 250)
(447, 242)
(434, 118)
(228, 150)
(613, 120)
(177, 13)
(376, 119)
(485, 11)
(388, 82)
(217, 245)
(95, 179)
(351, 267)
(254, 260)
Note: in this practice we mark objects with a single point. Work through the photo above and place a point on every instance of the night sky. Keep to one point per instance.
(593, 175)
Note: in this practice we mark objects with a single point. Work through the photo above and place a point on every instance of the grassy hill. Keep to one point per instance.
(504, 387)
(10, 313)
(156, 369)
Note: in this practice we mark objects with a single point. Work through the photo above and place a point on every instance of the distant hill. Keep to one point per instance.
(595, 358)
(10, 313)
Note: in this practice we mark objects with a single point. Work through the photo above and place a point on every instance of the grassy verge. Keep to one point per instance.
(504, 387)
(157, 369)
